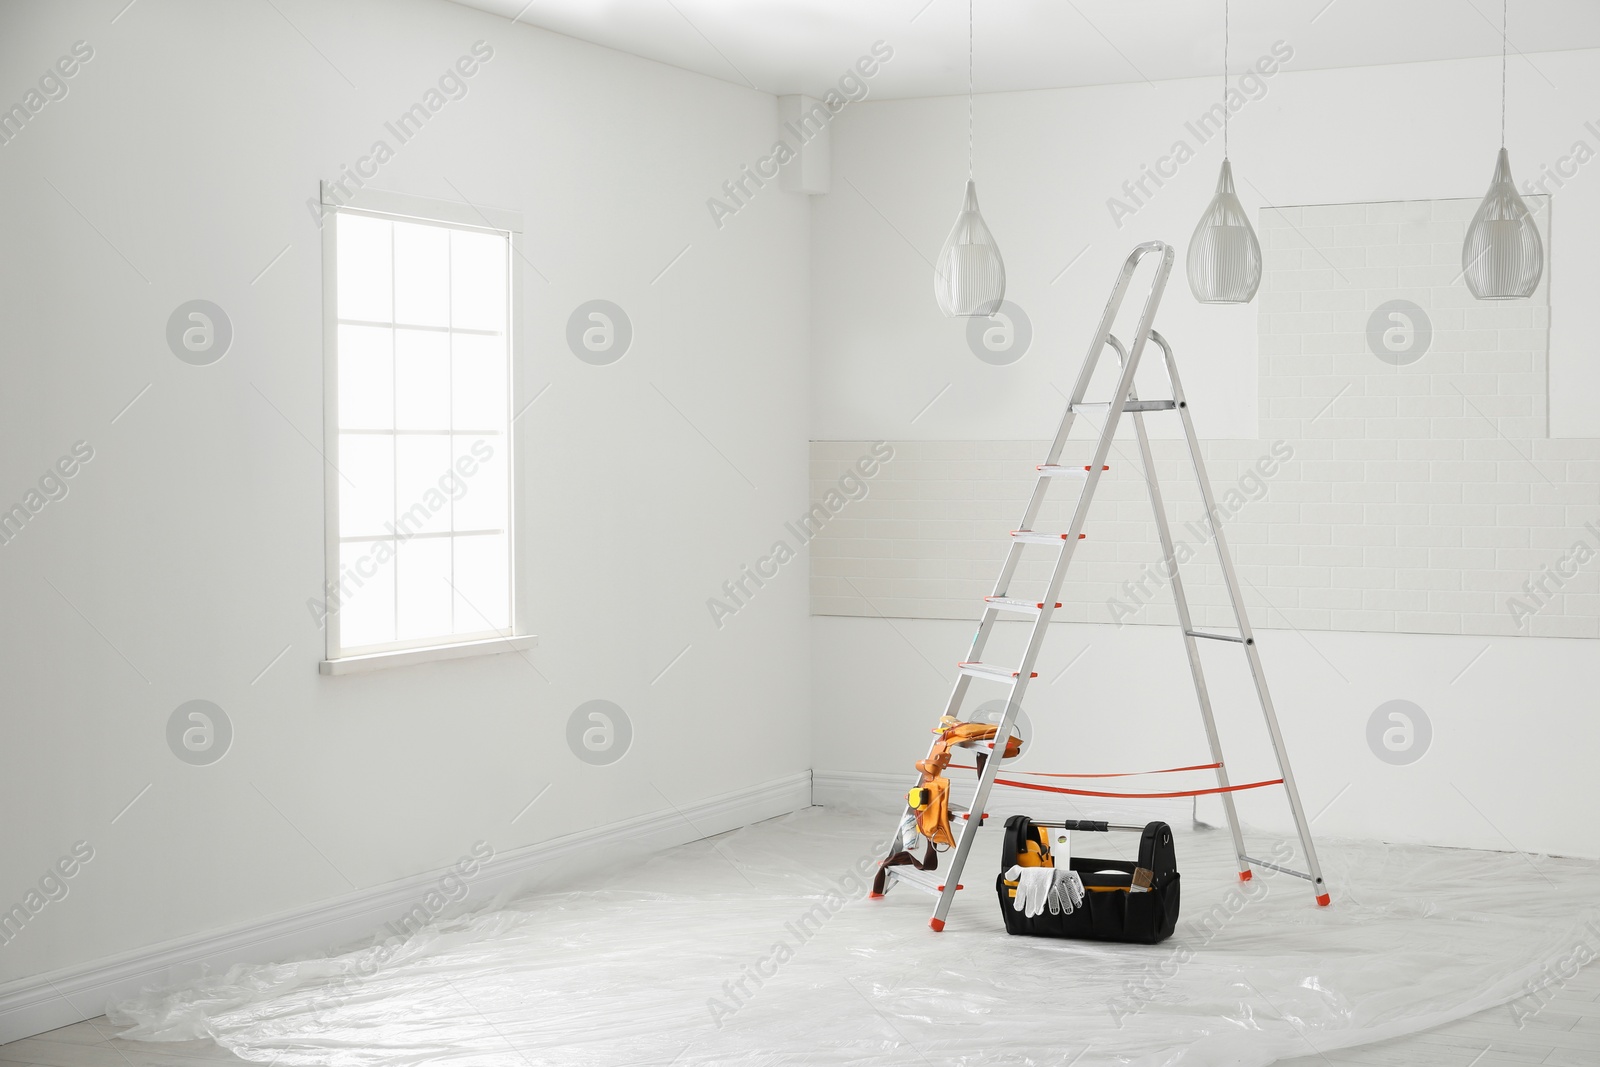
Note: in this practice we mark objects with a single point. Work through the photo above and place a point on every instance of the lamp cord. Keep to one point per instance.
(1504, 5)
(969, 90)
(1224, 80)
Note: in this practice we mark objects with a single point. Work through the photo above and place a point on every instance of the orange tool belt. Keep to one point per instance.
(933, 811)
(930, 800)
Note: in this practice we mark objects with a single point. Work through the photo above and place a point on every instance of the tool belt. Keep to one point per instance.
(931, 797)
(929, 800)
(1133, 902)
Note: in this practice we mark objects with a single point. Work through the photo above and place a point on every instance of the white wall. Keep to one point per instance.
(1512, 716)
(177, 167)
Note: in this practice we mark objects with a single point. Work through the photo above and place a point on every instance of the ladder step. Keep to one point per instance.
(1032, 537)
(1056, 470)
(1023, 607)
(992, 672)
(1274, 867)
(966, 813)
(927, 881)
(1215, 637)
(1132, 405)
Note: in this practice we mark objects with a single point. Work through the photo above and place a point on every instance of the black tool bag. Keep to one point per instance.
(1110, 910)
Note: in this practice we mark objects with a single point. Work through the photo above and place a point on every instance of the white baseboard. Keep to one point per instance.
(40, 1003)
(861, 789)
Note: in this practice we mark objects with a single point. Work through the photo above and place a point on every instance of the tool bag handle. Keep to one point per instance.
(1157, 853)
(1019, 830)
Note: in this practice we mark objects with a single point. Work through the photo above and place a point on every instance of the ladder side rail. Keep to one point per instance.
(1030, 514)
(1069, 543)
(1186, 627)
(1252, 654)
(980, 637)
(1097, 345)
(1208, 500)
(1102, 450)
(980, 801)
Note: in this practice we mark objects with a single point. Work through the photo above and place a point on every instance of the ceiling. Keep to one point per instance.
(789, 46)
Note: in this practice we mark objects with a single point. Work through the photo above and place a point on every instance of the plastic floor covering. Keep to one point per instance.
(759, 947)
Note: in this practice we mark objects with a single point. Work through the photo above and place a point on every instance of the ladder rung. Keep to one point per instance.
(1032, 537)
(1007, 603)
(927, 881)
(992, 672)
(1132, 405)
(1057, 470)
(1275, 867)
(1215, 637)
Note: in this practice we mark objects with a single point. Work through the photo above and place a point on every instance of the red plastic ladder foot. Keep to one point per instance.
(1245, 876)
(937, 924)
(1324, 900)
(874, 896)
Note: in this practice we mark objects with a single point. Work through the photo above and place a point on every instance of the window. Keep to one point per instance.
(420, 546)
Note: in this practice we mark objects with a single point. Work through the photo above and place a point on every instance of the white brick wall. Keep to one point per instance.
(1417, 498)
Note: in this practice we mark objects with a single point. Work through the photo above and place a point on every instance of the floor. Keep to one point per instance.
(873, 948)
(1565, 1034)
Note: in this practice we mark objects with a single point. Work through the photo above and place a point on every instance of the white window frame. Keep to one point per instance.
(403, 206)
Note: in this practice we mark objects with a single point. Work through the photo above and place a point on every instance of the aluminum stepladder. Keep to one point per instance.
(944, 883)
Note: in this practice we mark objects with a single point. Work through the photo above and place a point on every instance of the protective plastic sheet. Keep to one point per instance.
(758, 947)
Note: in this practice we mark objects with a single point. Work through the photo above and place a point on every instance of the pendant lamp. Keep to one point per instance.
(1224, 258)
(969, 277)
(1502, 257)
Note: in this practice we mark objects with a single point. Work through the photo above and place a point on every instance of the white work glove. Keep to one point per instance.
(1039, 893)
(1066, 892)
(1057, 897)
(1033, 887)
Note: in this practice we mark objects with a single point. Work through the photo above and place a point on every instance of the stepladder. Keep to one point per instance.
(942, 877)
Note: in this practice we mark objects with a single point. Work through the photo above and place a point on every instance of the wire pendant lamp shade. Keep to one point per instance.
(1224, 260)
(1503, 256)
(969, 277)
(1224, 256)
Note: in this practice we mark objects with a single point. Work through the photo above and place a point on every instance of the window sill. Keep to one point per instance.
(404, 657)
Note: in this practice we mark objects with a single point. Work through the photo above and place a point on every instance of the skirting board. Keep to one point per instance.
(41, 1003)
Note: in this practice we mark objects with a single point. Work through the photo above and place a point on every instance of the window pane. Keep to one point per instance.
(423, 432)
(481, 464)
(364, 277)
(421, 274)
(366, 484)
(421, 380)
(366, 378)
(366, 611)
(478, 386)
(482, 598)
(422, 484)
(478, 280)
(422, 588)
